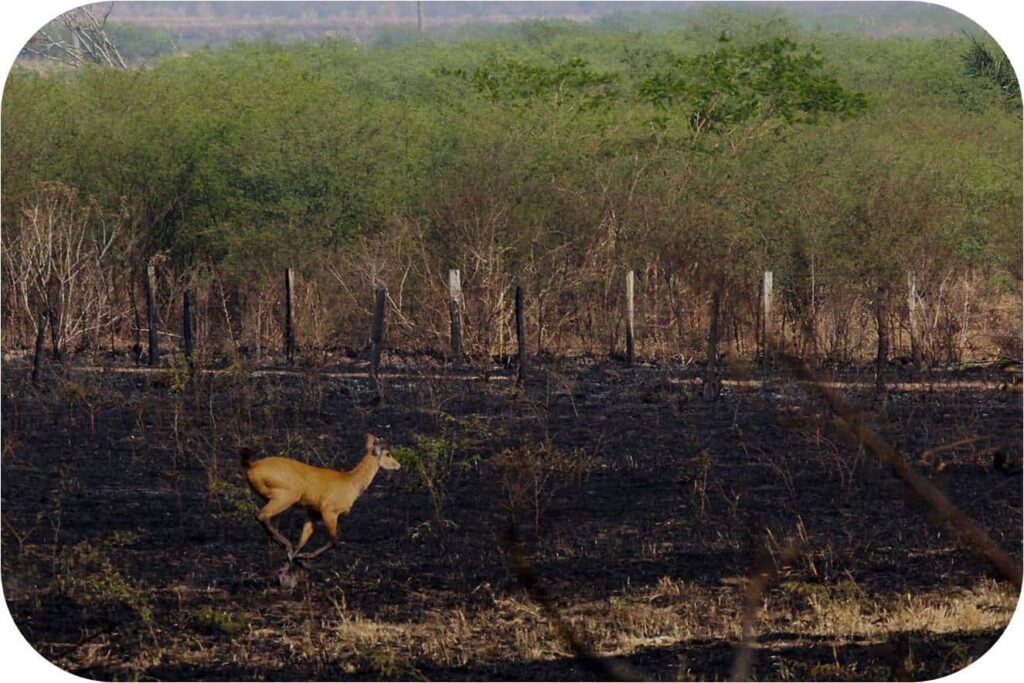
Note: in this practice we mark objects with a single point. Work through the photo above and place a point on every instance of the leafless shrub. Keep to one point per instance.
(533, 473)
(57, 256)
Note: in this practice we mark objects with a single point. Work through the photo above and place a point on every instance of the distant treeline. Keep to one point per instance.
(550, 155)
(144, 30)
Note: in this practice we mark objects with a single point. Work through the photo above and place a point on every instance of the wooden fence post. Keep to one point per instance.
(882, 321)
(186, 324)
(521, 335)
(137, 331)
(712, 381)
(915, 332)
(454, 302)
(540, 324)
(814, 319)
(768, 328)
(54, 313)
(151, 317)
(376, 339)
(630, 356)
(289, 315)
(37, 360)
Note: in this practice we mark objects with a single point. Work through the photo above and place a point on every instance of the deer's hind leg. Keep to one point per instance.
(275, 506)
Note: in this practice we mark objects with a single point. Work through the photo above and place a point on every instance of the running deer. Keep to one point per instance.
(324, 493)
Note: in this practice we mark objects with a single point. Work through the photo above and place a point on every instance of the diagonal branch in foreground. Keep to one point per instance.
(759, 584)
(606, 668)
(917, 484)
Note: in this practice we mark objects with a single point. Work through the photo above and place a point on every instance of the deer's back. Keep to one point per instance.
(276, 475)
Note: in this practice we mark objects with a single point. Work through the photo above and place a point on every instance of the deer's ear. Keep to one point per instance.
(370, 440)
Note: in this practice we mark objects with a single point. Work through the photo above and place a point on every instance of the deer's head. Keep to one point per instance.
(379, 448)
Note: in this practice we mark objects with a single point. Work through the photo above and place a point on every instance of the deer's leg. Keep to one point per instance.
(273, 508)
(319, 551)
(331, 522)
(307, 531)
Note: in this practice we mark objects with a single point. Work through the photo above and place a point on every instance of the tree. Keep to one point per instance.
(992, 66)
(83, 40)
(741, 93)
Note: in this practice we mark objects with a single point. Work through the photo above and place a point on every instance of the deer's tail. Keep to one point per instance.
(245, 455)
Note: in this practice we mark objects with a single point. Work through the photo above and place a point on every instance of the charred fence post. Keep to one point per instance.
(151, 316)
(376, 339)
(289, 315)
(630, 331)
(53, 313)
(812, 325)
(882, 322)
(37, 360)
(454, 301)
(540, 324)
(712, 380)
(521, 335)
(137, 328)
(186, 326)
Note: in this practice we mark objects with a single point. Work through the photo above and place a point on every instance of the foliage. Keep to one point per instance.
(233, 501)
(544, 152)
(572, 81)
(756, 87)
(178, 374)
(88, 575)
(433, 460)
(992, 65)
(214, 621)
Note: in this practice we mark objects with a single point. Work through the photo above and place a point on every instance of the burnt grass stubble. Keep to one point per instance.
(137, 467)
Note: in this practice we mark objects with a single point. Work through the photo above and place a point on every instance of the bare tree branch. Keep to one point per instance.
(89, 42)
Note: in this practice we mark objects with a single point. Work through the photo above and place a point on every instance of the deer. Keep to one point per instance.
(326, 494)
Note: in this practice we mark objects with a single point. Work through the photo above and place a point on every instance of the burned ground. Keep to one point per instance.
(130, 549)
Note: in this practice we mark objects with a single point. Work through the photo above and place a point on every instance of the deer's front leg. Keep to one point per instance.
(307, 531)
(331, 522)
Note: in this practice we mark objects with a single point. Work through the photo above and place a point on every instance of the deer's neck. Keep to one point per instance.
(362, 474)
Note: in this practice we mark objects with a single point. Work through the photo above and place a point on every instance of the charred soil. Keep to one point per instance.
(130, 548)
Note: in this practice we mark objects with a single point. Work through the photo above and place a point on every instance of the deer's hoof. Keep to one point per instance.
(287, 578)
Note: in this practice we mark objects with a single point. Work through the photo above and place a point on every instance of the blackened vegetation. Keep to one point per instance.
(644, 519)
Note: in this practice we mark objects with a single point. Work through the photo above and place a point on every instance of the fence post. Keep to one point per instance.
(540, 324)
(915, 337)
(454, 301)
(768, 328)
(151, 317)
(521, 335)
(289, 315)
(37, 360)
(882, 321)
(186, 325)
(712, 381)
(376, 338)
(814, 319)
(629, 318)
(137, 331)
